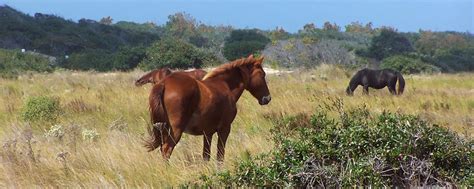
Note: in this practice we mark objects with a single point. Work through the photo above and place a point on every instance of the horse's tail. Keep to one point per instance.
(158, 117)
(401, 83)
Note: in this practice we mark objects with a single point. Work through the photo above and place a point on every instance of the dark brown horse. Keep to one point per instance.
(180, 103)
(157, 75)
(377, 79)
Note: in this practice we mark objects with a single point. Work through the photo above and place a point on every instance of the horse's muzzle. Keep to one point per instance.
(139, 83)
(265, 100)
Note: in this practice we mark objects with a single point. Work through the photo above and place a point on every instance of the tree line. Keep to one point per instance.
(184, 42)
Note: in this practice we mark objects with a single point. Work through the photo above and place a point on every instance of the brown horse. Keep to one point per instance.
(180, 103)
(157, 75)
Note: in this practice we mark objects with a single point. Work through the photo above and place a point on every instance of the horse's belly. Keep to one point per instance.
(193, 131)
(378, 86)
(199, 124)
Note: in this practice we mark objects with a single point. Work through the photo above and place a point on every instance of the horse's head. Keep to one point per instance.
(256, 83)
(349, 91)
(153, 77)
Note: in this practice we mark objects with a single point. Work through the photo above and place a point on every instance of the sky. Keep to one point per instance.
(292, 15)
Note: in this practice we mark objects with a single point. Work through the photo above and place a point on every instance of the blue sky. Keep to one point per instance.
(406, 15)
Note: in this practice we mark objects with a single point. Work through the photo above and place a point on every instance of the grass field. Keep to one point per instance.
(109, 105)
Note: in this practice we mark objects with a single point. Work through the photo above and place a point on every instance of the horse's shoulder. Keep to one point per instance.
(363, 71)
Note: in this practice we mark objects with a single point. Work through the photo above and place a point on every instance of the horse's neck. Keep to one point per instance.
(233, 81)
(148, 75)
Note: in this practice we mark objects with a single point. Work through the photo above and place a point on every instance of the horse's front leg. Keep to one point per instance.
(366, 89)
(206, 151)
(222, 139)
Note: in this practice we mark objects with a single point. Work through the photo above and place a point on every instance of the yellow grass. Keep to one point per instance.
(117, 110)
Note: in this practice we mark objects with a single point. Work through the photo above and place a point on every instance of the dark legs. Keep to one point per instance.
(392, 86)
(206, 151)
(392, 90)
(222, 138)
(366, 89)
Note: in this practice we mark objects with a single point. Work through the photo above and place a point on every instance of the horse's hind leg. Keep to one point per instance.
(392, 90)
(178, 122)
(170, 141)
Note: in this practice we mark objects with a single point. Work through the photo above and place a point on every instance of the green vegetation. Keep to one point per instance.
(55, 36)
(408, 65)
(14, 62)
(41, 108)
(455, 59)
(355, 148)
(101, 60)
(175, 53)
(104, 45)
(242, 43)
(389, 43)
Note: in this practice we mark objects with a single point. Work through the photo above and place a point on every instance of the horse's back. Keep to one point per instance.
(180, 85)
(197, 73)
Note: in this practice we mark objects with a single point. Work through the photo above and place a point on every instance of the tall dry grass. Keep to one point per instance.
(109, 105)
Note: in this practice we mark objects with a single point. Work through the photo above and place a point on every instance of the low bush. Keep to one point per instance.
(356, 148)
(175, 53)
(41, 108)
(408, 65)
(14, 62)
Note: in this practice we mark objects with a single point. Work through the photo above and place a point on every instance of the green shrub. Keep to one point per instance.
(175, 53)
(14, 62)
(455, 59)
(126, 58)
(41, 108)
(408, 65)
(98, 60)
(356, 148)
(389, 43)
(242, 43)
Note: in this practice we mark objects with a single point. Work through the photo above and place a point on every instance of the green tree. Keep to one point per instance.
(98, 60)
(389, 43)
(357, 27)
(181, 25)
(241, 43)
(455, 59)
(408, 65)
(175, 53)
(14, 62)
(429, 42)
(128, 58)
(279, 34)
(106, 20)
(331, 27)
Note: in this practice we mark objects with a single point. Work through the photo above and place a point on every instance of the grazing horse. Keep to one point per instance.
(377, 79)
(157, 75)
(180, 104)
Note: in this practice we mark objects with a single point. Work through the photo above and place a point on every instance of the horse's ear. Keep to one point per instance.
(167, 71)
(259, 60)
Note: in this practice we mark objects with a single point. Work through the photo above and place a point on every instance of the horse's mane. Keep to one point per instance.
(229, 66)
